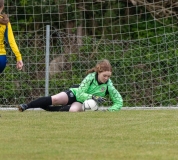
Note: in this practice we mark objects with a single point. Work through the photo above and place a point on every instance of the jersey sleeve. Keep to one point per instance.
(11, 40)
(115, 97)
(82, 94)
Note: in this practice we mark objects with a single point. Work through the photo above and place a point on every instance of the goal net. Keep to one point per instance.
(140, 38)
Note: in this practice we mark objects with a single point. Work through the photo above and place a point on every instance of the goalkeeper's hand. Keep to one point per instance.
(98, 99)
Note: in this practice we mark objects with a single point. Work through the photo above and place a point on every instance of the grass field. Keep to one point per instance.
(124, 135)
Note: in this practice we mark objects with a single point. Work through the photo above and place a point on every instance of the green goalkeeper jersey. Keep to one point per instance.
(90, 86)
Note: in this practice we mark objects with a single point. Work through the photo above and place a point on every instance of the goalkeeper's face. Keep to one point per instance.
(104, 76)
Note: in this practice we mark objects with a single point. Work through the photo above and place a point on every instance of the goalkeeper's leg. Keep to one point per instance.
(63, 108)
(46, 102)
(74, 107)
(43, 102)
(64, 99)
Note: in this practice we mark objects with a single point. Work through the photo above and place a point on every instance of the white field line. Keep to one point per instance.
(102, 108)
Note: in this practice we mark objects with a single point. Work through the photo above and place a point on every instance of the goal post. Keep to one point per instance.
(47, 53)
(140, 38)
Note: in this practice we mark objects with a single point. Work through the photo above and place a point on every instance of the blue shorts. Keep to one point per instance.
(3, 62)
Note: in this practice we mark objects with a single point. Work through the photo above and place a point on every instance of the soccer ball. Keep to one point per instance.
(90, 104)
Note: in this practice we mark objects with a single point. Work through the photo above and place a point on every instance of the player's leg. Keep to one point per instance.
(45, 102)
(60, 99)
(76, 107)
(63, 108)
(3, 61)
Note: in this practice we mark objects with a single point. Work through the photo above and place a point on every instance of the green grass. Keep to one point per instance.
(125, 135)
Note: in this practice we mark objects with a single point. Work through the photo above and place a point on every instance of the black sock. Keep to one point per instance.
(57, 108)
(65, 108)
(43, 102)
(52, 108)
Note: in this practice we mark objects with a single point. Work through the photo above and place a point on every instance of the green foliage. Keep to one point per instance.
(110, 18)
(142, 75)
(142, 50)
(11, 81)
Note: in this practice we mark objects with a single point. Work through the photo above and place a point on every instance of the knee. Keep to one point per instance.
(74, 109)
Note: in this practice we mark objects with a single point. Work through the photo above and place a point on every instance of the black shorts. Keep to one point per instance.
(71, 97)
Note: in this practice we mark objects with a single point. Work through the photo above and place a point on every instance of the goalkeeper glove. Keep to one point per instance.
(98, 99)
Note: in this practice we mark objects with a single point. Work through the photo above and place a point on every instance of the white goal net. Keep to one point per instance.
(139, 37)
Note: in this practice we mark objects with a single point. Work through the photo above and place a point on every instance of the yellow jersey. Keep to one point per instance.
(6, 33)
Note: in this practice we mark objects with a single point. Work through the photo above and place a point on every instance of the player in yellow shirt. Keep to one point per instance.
(6, 33)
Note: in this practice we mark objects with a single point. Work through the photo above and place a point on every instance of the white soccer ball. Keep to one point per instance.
(90, 104)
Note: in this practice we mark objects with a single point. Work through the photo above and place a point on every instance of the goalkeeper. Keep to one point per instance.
(7, 33)
(96, 85)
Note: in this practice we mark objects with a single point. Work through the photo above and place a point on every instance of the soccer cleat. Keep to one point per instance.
(22, 107)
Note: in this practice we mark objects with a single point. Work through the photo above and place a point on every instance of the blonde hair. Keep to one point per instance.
(101, 66)
(4, 19)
